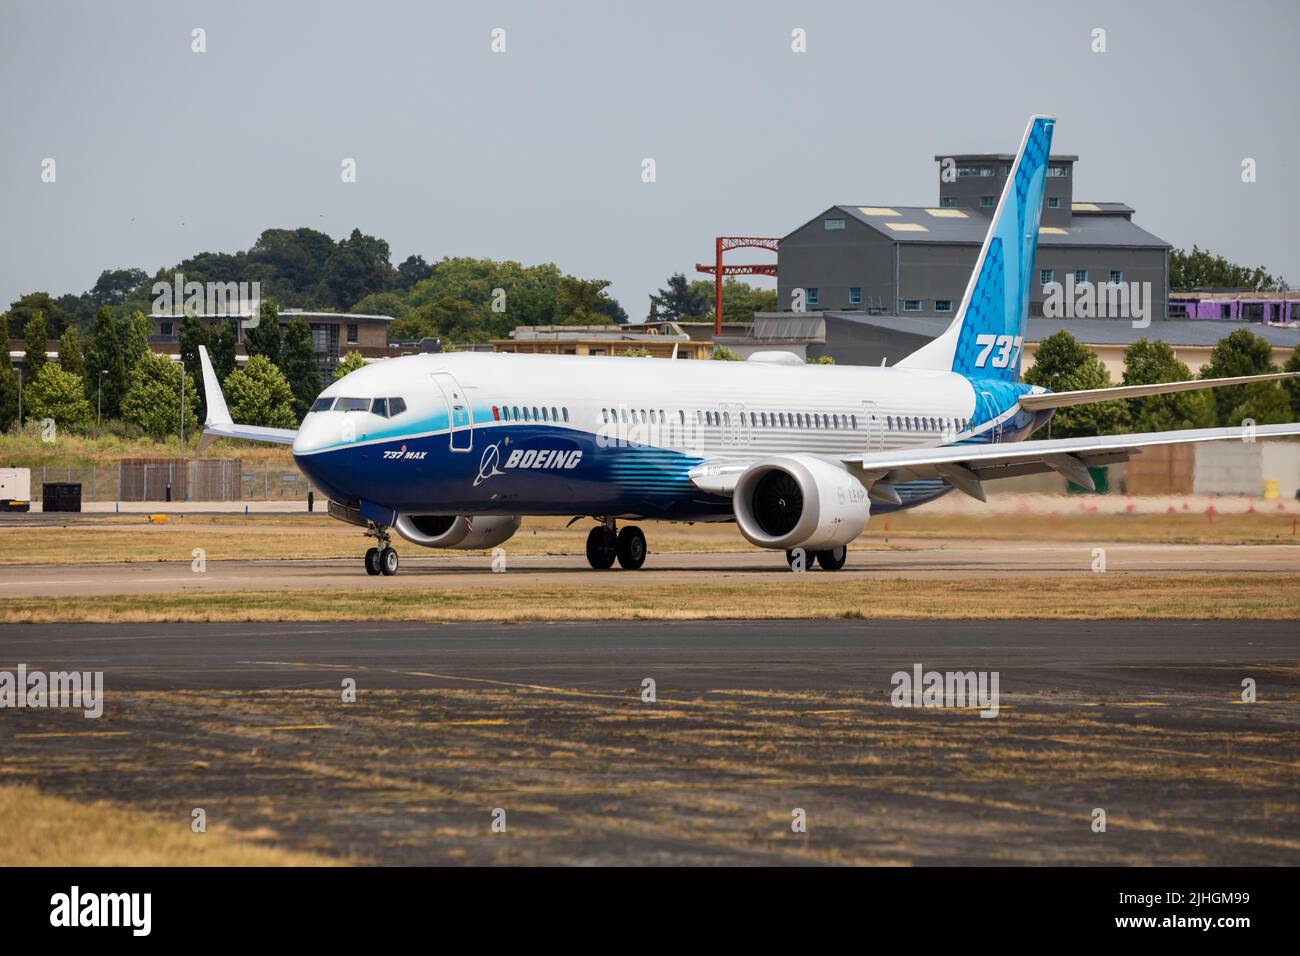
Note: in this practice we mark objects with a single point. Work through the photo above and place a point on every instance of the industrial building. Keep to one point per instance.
(915, 261)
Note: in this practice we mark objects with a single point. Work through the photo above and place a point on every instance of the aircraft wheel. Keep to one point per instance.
(799, 558)
(600, 548)
(372, 561)
(388, 562)
(631, 547)
(833, 559)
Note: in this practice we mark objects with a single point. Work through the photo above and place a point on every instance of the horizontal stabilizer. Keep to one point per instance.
(1091, 395)
(218, 424)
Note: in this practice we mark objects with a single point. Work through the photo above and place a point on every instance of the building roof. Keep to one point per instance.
(1094, 331)
(965, 226)
(246, 314)
(1005, 157)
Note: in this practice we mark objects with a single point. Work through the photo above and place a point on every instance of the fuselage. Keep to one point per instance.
(500, 433)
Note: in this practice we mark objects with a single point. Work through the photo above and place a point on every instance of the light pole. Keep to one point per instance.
(182, 409)
(20, 398)
(99, 400)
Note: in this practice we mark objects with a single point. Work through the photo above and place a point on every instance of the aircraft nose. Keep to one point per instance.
(316, 432)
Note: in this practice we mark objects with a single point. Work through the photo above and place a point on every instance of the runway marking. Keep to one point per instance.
(300, 727)
(76, 734)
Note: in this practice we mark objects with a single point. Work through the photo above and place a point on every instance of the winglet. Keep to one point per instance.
(218, 414)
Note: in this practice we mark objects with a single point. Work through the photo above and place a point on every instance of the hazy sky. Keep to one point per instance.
(535, 154)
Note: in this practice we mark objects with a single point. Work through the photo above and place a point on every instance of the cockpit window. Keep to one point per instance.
(396, 406)
(352, 405)
(380, 407)
(322, 404)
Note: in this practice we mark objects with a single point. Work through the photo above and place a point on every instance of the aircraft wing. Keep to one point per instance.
(966, 466)
(218, 423)
(1033, 402)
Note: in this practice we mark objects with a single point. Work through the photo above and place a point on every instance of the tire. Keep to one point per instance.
(388, 562)
(833, 559)
(372, 561)
(631, 548)
(600, 549)
(808, 557)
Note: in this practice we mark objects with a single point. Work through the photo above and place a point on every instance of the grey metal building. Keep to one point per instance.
(916, 260)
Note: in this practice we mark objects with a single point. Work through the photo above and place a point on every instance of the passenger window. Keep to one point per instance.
(566, 412)
(854, 420)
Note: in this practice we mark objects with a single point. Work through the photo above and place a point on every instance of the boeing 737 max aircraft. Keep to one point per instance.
(451, 450)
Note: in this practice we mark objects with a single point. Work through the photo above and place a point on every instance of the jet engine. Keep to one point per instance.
(464, 532)
(799, 501)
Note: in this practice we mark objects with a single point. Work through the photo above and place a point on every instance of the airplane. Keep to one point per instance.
(452, 450)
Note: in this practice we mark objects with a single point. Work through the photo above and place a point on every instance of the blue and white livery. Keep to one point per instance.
(452, 450)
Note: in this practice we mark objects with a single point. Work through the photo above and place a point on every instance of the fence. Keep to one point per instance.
(190, 480)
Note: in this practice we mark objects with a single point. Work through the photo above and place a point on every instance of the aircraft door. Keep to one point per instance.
(458, 411)
(875, 427)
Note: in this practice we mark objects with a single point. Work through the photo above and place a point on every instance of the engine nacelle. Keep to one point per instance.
(799, 501)
(465, 533)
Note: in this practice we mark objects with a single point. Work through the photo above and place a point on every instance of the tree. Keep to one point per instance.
(681, 299)
(299, 366)
(71, 358)
(382, 303)
(1200, 269)
(153, 401)
(22, 310)
(59, 395)
(1240, 353)
(359, 265)
(820, 360)
(34, 357)
(1262, 403)
(1149, 362)
(582, 302)
(223, 350)
(104, 354)
(723, 354)
(264, 338)
(8, 380)
(259, 395)
(1292, 386)
(634, 353)
(1063, 364)
(135, 339)
(411, 272)
(349, 363)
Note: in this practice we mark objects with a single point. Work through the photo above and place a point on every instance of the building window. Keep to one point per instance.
(832, 224)
(911, 305)
(855, 295)
(1080, 276)
(1115, 277)
(814, 296)
(166, 328)
(970, 172)
(352, 333)
(987, 202)
(1046, 275)
(947, 202)
(1058, 172)
(1053, 202)
(943, 305)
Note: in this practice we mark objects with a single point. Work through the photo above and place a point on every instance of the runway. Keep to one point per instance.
(930, 558)
(749, 722)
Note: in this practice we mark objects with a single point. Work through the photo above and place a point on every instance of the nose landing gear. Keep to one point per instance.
(383, 559)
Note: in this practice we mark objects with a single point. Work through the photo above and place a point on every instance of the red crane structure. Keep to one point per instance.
(721, 244)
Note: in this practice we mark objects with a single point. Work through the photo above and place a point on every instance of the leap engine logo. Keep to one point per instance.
(537, 459)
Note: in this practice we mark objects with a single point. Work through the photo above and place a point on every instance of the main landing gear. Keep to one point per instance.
(383, 559)
(801, 559)
(604, 546)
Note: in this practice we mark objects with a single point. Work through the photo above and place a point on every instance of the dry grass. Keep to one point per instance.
(37, 829)
(1113, 595)
(27, 450)
(118, 539)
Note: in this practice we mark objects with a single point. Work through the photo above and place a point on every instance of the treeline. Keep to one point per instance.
(112, 378)
(1064, 364)
(1201, 269)
(458, 300)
